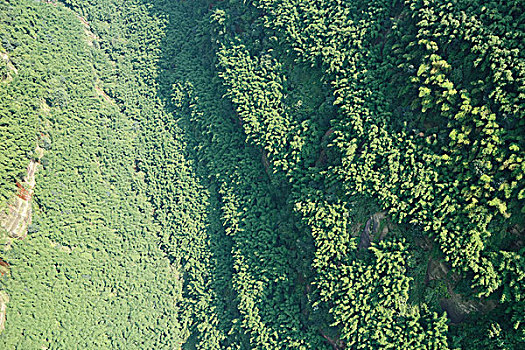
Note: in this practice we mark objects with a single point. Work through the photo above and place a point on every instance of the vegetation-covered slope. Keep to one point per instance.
(91, 272)
(266, 174)
(429, 126)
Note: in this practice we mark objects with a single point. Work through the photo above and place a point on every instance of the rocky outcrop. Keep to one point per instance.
(11, 69)
(4, 299)
(375, 230)
(457, 307)
(16, 220)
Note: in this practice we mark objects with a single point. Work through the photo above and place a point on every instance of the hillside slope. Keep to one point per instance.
(91, 272)
(266, 174)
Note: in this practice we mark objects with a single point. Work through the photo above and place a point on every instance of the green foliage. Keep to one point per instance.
(265, 174)
(21, 97)
(93, 274)
(429, 124)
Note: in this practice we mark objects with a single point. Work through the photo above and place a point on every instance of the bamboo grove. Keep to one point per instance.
(264, 174)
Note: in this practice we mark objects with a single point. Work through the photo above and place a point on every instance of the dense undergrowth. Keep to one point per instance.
(266, 174)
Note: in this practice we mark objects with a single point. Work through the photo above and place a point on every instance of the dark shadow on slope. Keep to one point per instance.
(233, 173)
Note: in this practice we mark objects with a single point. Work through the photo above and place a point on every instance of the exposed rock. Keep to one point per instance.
(365, 238)
(10, 67)
(44, 107)
(436, 270)
(4, 268)
(18, 217)
(424, 242)
(373, 231)
(4, 299)
(456, 306)
(266, 162)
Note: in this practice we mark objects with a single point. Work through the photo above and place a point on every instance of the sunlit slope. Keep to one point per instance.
(266, 174)
(90, 274)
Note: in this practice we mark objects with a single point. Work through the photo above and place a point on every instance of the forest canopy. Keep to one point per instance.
(265, 174)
